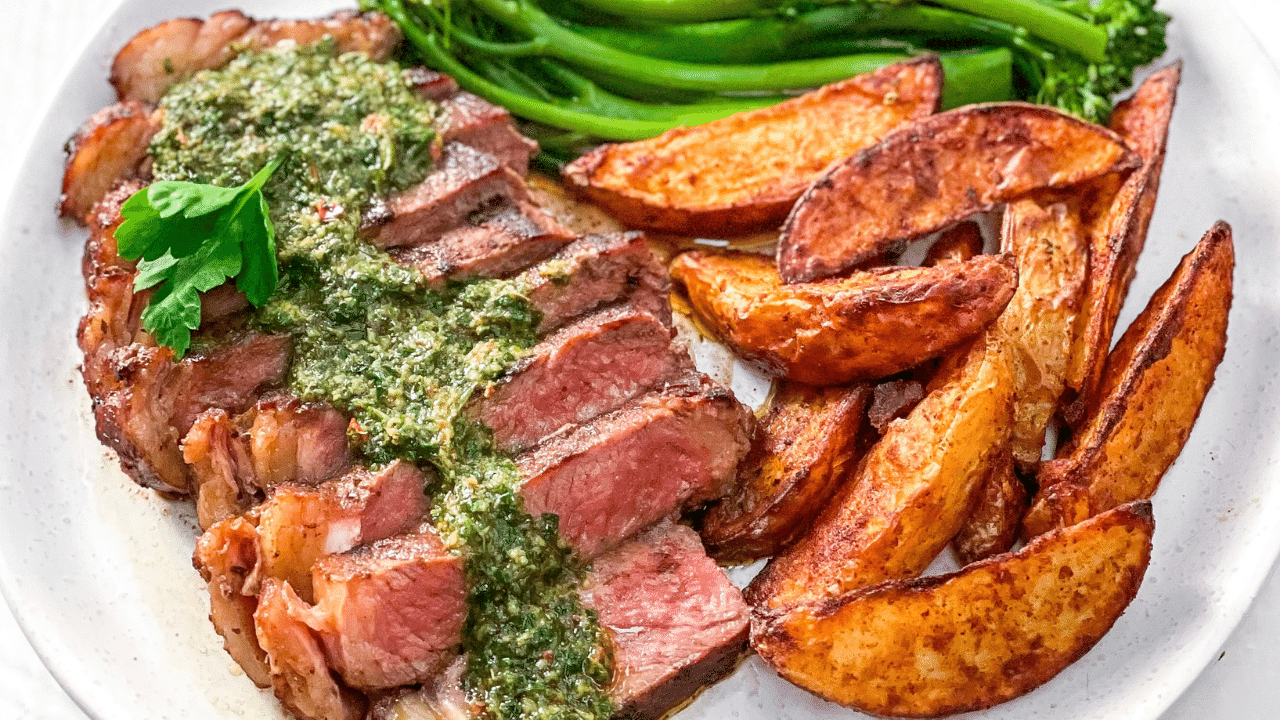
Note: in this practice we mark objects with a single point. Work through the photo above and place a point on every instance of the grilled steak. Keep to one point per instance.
(626, 470)
(596, 270)
(473, 121)
(108, 147)
(440, 698)
(493, 242)
(676, 622)
(283, 537)
(586, 369)
(466, 181)
(161, 56)
(154, 401)
(390, 613)
(299, 674)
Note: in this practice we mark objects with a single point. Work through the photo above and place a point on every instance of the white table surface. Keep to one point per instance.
(38, 43)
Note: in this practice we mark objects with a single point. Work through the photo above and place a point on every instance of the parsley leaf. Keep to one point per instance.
(190, 238)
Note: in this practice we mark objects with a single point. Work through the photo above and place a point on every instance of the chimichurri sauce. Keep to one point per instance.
(401, 359)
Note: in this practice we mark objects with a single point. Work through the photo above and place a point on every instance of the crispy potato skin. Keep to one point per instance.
(1156, 380)
(806, 446)
(934, 173)
(995, 522)
(909, 495)
(868, 326)
(108, 147)
(1039, 322)
(742, 174)
(1117, 230)
(970, 639)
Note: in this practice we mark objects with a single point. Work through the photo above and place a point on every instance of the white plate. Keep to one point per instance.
(98, 571)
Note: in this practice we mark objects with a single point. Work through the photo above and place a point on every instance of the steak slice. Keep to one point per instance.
(586, 369)
(626, 470)
(390, 613)
(493, 243)
(466, 181)
(298, 525)
(675, 621)
(168, 53)
(280, 440)
(594, 271)
(299, 675)
(146, 402)
(283, 538)
(474, 121)
(108, 147)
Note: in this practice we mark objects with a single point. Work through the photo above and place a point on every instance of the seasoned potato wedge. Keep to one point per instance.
(867, 326)
(909, 495)
(1154, 383)
(936, 172)
(806, 446)
(1117, 229)
(1039, 321)
(970, 639)
(994, 523)
(743, 173)
(108, 147)
(956, 244)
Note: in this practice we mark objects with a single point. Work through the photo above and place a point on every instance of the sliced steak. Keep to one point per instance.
(163, 55)
(280, 440)
(431, 85)
(110, 146)
(675, 621)
(492, 243)
(597, 270)
(147, 402)
(474, 121)
(466, 181)
(586, 369)
(626, 470)
(298, 525)
(390, 613)
(283, 538)
(299, 675)
(100, 252)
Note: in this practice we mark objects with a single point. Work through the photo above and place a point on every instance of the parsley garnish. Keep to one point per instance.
(192, 238)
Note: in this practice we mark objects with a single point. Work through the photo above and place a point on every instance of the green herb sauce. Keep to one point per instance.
(401, 359)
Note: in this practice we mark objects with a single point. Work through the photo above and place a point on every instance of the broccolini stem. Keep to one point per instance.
(1043, 21)
(681, 10)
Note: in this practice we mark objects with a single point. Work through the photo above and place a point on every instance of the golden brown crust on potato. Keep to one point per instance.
(909, 495)
(743, 173)
(936, 172)
(970, 639)
(807, 445)
(1039, 322)
(995, 522)
(867, 326)
(109, 146)
(1117, 231)
(1155, 382)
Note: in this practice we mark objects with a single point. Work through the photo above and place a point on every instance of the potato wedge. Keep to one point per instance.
(742, 174)
(909, 495)
(956, 244)
(1154, 383)
(936, 172)
(1117, 231)
(1039, 322)
(806, 446)
(871, 325)
(994, 523)
(970, 639)
(108, 147)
